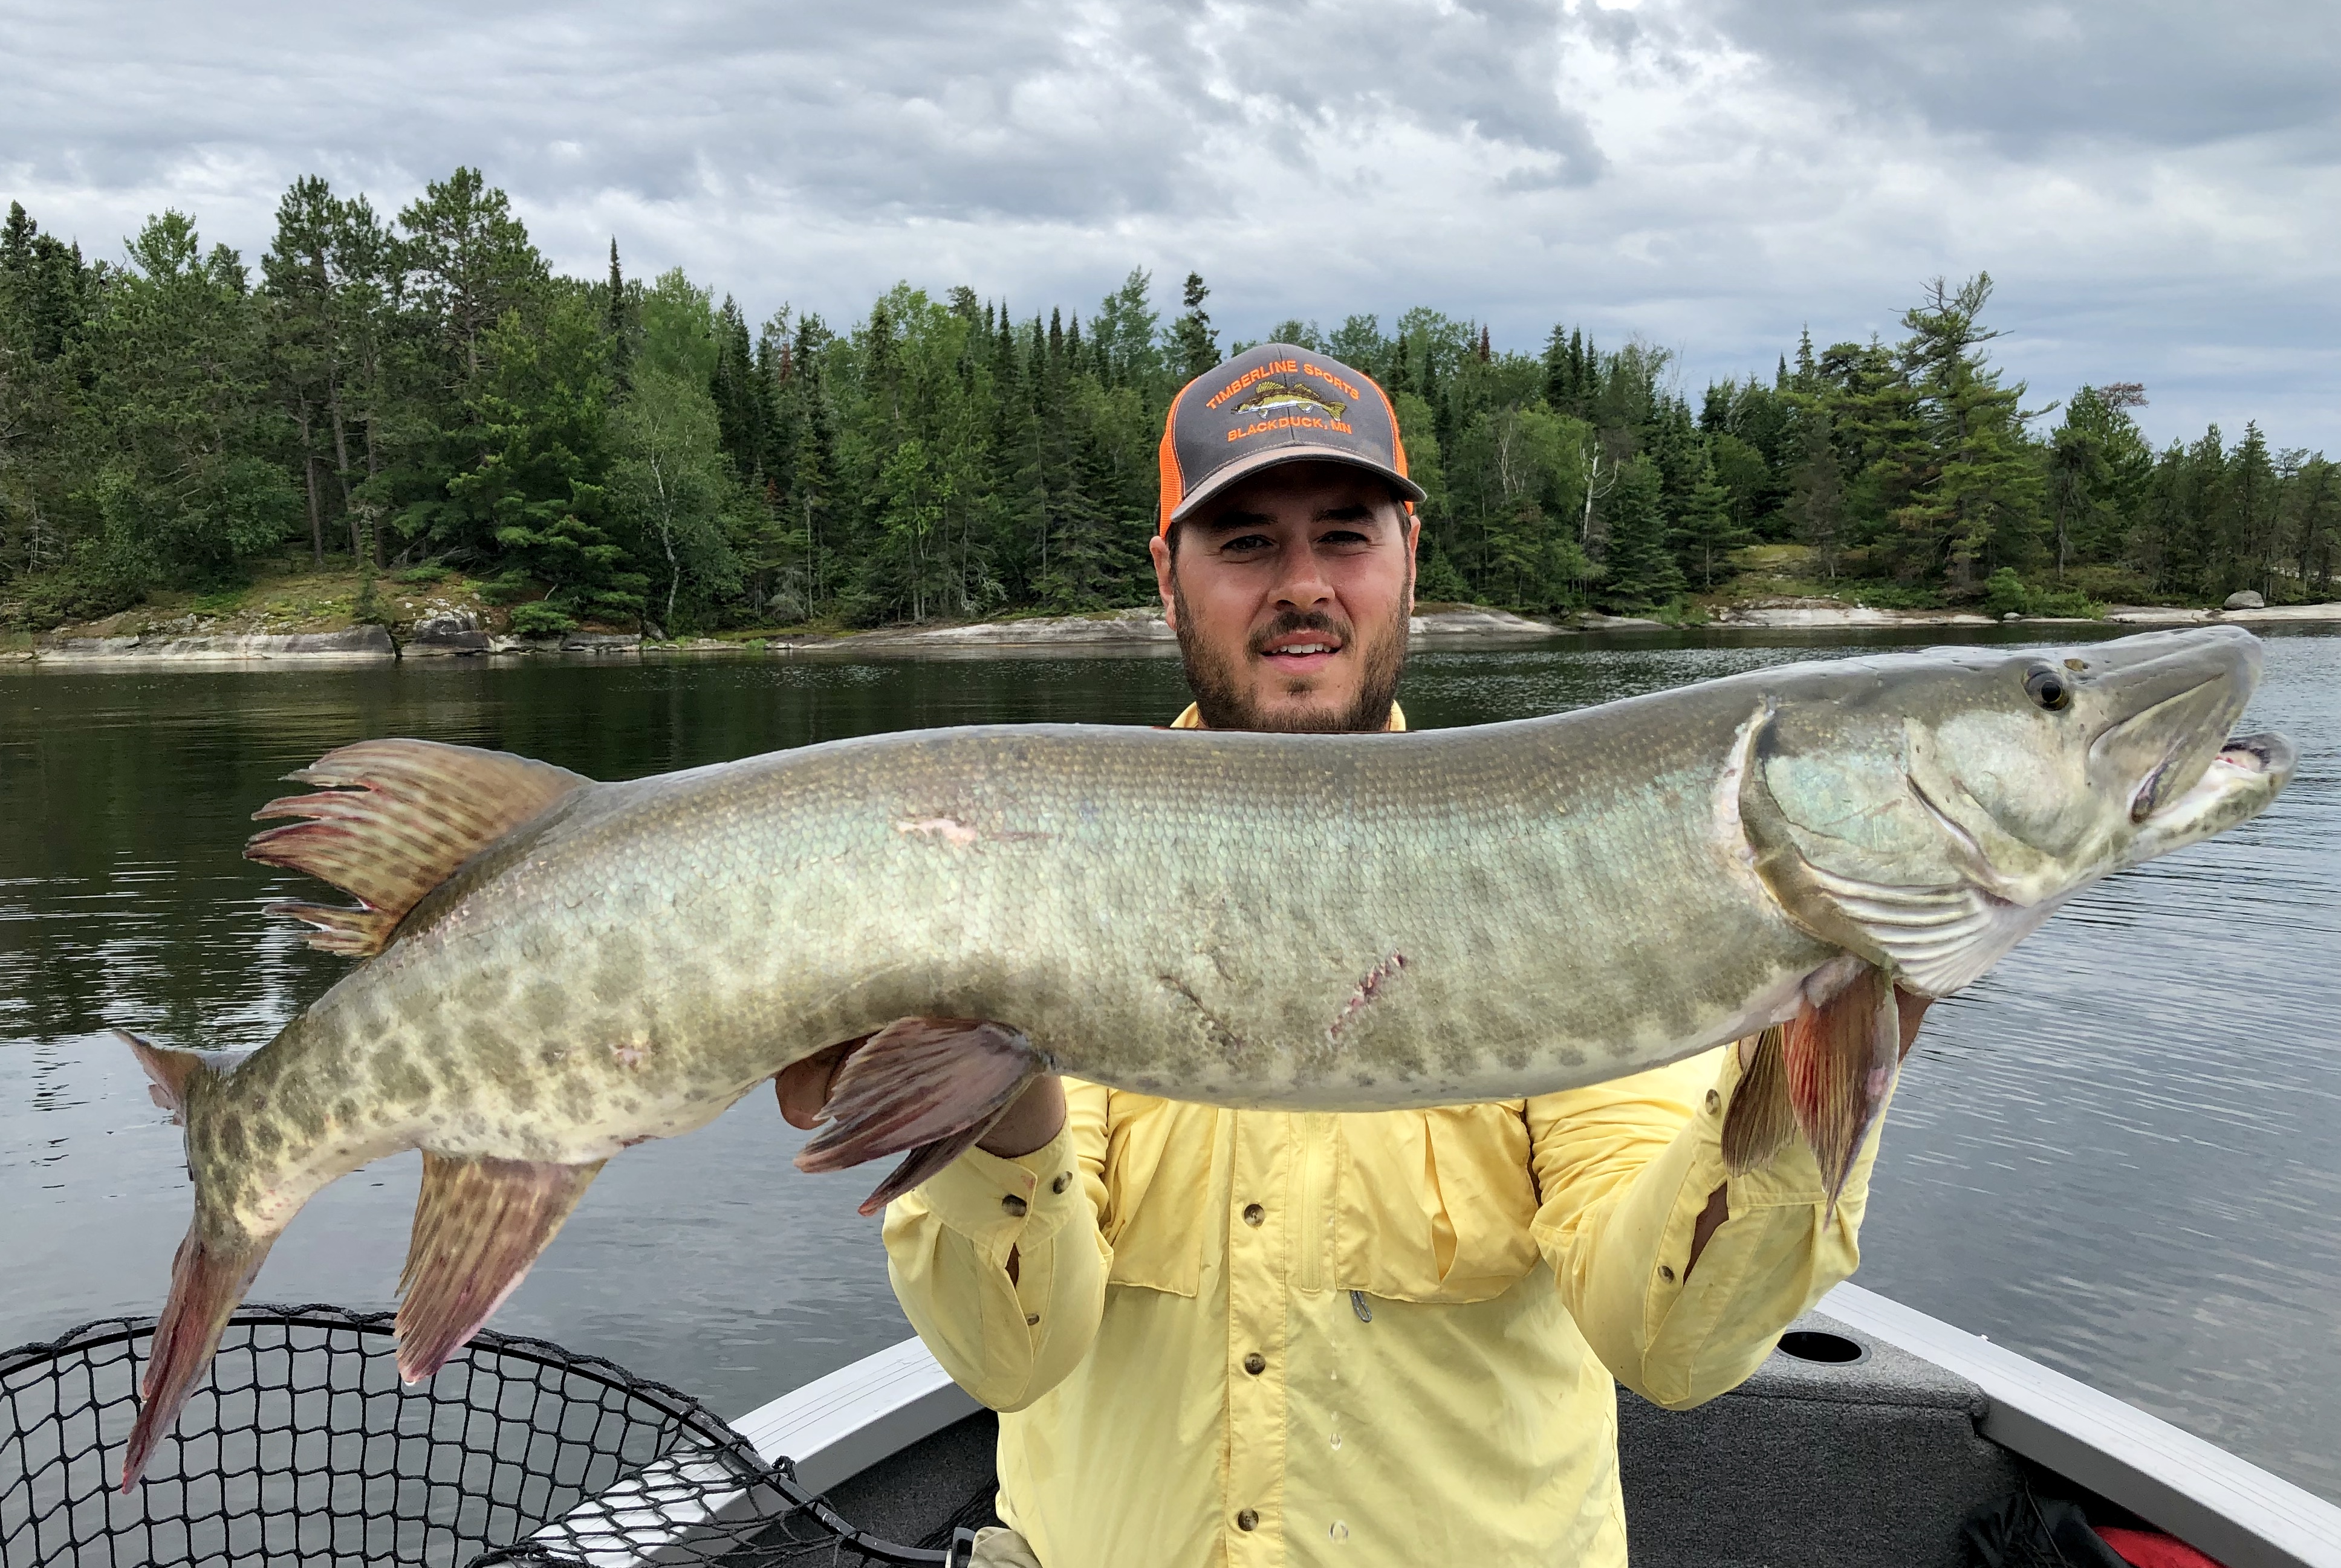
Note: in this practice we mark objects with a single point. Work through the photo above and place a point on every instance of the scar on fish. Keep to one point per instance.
(1368, 990)
(1231, 1045)
(949, 830)
(958, 834)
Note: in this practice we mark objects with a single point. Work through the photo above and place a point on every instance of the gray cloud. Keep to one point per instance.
(2154, 185)
(2029, 78)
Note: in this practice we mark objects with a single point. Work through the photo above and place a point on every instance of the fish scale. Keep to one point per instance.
(555, 968)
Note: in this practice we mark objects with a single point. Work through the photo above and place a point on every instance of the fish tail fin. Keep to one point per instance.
(479, 1224)
(208, 1279)
(212, 1269)
(1826, 1074)
(394, 819)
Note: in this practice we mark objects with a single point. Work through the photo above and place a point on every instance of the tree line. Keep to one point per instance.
(425, 393)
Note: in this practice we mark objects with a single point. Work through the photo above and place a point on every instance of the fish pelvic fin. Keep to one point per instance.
(1761, 1120)
(393, 820)
(170, 1075)
(208, 1279)
(478, 1225)
(1841, 1057)
(930, 1086)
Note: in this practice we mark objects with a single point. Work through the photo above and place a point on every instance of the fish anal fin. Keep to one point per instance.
(393, 819)
(208, 1279)
(1840, 1058)
(933, 1086)
(478, 1225)
(169, 1074)
(1761, 1120)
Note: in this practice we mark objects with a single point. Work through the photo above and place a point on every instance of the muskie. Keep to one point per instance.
(558, 968)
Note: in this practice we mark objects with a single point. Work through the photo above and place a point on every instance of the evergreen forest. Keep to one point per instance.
(424, 395)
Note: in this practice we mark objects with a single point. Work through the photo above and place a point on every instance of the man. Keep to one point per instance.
(1239, 1337)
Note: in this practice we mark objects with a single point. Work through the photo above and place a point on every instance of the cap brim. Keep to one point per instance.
(1243, 469)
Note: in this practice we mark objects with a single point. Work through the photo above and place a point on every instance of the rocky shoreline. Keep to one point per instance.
(460, 634)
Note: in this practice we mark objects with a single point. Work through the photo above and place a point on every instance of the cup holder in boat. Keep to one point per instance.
(1829, 1349)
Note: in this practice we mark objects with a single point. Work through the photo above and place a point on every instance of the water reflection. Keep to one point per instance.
(2120, 1152)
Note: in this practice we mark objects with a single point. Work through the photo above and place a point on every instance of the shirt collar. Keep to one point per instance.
(1191, 719)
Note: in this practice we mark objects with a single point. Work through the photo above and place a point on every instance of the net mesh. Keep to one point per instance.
(303, 1448)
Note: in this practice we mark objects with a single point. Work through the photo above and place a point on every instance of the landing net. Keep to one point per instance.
(303, 1448)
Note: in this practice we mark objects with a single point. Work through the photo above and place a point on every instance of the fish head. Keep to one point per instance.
(1942, 805)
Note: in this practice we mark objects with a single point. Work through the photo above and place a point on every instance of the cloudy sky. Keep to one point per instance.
(2155, 185)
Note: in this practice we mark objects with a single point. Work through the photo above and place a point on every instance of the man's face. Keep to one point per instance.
(1290, 596)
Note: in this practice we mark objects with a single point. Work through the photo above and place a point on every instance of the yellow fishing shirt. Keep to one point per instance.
(1248, 1338)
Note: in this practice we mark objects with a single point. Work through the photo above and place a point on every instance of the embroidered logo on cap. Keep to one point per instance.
(1295, 394)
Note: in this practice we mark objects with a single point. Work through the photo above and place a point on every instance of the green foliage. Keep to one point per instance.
(426, 390)
(2005, 594)
(48, 600)
(542, 619)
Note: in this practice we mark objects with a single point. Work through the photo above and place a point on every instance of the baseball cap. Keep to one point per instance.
(1273, 404)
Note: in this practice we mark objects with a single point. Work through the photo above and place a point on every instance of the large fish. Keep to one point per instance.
(556, 968)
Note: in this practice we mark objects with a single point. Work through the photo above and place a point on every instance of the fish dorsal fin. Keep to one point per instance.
(394, 820)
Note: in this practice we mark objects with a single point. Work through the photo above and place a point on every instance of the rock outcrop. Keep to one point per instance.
(357, 645)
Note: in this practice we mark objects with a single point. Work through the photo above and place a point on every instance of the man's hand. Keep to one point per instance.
(802, 1090)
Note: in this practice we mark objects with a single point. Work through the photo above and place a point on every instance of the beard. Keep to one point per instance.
(1223, 701)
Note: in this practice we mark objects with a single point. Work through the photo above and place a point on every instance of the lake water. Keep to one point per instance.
(2120, 1153)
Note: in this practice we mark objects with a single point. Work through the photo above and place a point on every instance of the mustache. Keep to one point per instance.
(1287, 621)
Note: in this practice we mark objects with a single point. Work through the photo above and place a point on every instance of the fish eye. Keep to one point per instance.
(2049, 690)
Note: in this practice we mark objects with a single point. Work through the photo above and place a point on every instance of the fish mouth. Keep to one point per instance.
(2171, 711)
(2243, 777)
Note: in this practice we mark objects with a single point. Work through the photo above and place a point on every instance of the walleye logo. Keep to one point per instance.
(1294, 393)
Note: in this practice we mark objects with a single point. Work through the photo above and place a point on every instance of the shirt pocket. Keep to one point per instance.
(1434, 1206)
(1158, 1159)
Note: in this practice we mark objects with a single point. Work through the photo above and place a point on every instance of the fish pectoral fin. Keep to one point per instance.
(932, 1086)
(1761, 1120)
(478, 1225)
(1841, 1057)
(394, 820)
(208, 1279)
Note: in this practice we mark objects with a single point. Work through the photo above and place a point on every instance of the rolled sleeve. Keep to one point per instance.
(1627, 1168)
(1007, 1340)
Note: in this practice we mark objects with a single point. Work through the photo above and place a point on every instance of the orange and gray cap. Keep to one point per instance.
(1272, 404)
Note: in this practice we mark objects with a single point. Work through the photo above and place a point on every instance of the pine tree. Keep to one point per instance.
(618, 322)
(1817, 500)
(1195, 343)
(743, 408)
(1638, 569)
(1707, 531)
(1980, 505)
(470, 261)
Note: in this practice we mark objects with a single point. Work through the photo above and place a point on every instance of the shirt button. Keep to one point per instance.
(1247, 1520)
(1714, 1101)
(1032, 1319)
(1255, 1364)
(1065, 1179)
(1254, 1214)
(1014, 1205)
(1667, 1272)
